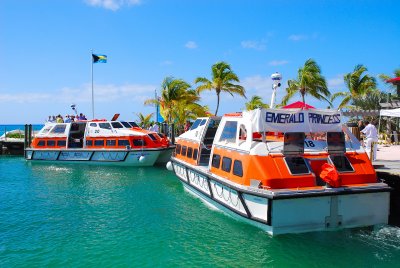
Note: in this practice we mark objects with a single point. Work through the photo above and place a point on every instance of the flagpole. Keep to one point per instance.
(91, 59)
(155, 98)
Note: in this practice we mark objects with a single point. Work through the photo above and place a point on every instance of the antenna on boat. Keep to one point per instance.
(276, 79)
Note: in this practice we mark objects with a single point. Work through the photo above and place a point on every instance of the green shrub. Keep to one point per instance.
(15, 135)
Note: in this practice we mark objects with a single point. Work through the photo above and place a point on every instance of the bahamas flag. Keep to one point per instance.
(99, 58)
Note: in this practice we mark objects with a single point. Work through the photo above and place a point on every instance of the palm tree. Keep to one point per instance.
(144, 120)
(188, 109)
(173, 91)
(358, 84)
(222, 81)
(309, 82)
(255, 102)
(370, 101)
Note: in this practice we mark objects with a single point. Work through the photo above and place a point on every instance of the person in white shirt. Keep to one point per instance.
(371, 133)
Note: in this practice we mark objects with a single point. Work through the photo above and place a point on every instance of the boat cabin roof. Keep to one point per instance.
(265, 131)
(102, 127)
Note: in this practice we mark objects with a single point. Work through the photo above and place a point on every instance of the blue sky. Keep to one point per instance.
(45, 49)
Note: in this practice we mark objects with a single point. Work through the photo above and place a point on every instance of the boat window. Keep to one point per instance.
(184, 149)
(293, 143)
(297, 165)
(190, 152)
(161, 135)
(51, 143)
(117, 125)
(195, 124)
(195, 153)
(178, 149)
(226, 164)
(341, 163)
(237, 168)
(139, 143)
(242, 132)
(61, 143)
(59, 129)
(93, 124)
(41, 143)
(229, 131)
(111, 142)
(123, 142)
(99, 143)
(89, 143)
(126, 124)
(336, 142)
(152, 137)
(203, 122)
(105, 125)
(216, 160)
(133, 124)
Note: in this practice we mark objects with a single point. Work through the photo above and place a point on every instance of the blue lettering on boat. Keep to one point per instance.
(323, 119)
(283, 118)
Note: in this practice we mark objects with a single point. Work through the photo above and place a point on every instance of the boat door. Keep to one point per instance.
(76, 135)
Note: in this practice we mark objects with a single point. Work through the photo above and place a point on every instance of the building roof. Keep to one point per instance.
(391, 104)
(361, 113)
(298, 104)
(394, 81)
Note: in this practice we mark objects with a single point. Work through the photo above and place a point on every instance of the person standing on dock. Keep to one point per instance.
(371, 133)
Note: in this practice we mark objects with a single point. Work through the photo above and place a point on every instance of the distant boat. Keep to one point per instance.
(285, 171)
(99, 141)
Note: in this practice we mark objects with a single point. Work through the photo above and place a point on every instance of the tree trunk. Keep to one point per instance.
(216, 111)
(303, 93)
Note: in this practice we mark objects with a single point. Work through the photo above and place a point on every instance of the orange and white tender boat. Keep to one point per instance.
(284, 170)
(99, 141)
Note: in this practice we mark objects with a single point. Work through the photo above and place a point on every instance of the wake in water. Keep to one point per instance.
(385, 239)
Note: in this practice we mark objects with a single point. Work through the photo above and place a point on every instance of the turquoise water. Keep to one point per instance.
(7, 128)
(70, 215)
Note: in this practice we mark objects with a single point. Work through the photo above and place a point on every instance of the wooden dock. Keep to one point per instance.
(12, 147)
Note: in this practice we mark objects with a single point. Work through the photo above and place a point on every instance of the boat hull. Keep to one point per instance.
(146, 157)
(289, 213)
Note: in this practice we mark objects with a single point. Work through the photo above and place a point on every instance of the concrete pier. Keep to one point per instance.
(387, 167)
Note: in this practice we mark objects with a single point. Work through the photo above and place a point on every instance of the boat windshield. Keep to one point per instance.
(117, 125)
(105, 125)
(59, 129)
(133, 124)
(46, 129)
(195, 124)
(126, 124)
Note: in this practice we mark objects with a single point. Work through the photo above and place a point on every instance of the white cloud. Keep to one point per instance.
(278, 62)
(298, 37)
(102, 93)
(262, 86)
(112, 4)
(166, 62)
(191, 45)
(257, 85)
(25, 97)
(336, 82)
(252, 44)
